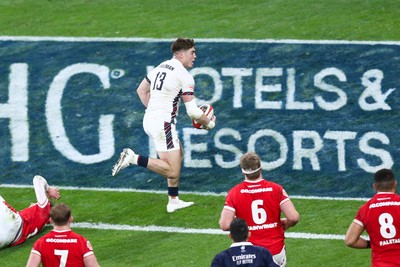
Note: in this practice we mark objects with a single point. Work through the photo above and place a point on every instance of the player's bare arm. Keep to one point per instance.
(227, 217)
(34, 260)
(91, 261)
(144, 92)
(291, 214)
(353, 237)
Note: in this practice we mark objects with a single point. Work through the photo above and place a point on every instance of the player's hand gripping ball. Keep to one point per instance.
(208, 111)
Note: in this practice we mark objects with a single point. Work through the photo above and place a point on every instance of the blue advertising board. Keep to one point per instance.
(321, 114)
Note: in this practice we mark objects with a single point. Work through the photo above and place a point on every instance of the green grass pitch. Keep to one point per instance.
(141, 248)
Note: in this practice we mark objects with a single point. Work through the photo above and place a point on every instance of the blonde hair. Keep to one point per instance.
(251, 165)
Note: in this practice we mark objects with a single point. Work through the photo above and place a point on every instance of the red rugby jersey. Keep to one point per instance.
(62, 248)
(258, 203)
(380, 217)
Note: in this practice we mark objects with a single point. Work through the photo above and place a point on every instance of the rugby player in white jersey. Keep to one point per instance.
(161, 92)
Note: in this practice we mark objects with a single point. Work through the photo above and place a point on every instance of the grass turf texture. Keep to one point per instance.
(136, 248)
(275, 19)
(305, 19)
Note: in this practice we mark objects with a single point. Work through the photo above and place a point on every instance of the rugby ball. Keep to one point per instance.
(208, 110)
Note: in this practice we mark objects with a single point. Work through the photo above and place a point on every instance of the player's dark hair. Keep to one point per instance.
(182, 44)
(251, 161)
(239, 230)
(60, 214)
(384, 179)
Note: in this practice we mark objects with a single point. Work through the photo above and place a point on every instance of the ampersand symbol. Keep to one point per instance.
(371, 80)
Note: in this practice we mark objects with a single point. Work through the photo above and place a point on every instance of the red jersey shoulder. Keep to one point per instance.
(273, 185)
(89, 245)
(377, 200)
(383, 197)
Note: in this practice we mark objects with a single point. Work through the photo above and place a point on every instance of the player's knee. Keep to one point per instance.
(174, 172)
(173, 176)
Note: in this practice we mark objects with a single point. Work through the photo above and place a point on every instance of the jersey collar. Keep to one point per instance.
(238, 244)
(253, 181)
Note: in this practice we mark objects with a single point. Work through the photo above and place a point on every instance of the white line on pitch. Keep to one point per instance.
(181, 192)
(167, 229)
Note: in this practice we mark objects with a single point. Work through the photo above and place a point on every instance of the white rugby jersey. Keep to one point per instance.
(168, 82)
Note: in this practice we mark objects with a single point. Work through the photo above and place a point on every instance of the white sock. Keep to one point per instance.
(173, 199)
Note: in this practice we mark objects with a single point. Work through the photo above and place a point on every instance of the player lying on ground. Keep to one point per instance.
(17, 226)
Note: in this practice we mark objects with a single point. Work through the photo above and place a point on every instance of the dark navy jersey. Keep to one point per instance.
(244, 254)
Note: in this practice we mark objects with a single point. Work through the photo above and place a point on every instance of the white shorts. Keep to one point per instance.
(163, 133)
(10, 224)
(280, 258)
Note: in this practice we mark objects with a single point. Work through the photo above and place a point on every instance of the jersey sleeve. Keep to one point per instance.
(229, 200)
(187, 83)
(284, 196)
(87, 248)
(360, 216)
(150, 76)
(37, 247)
